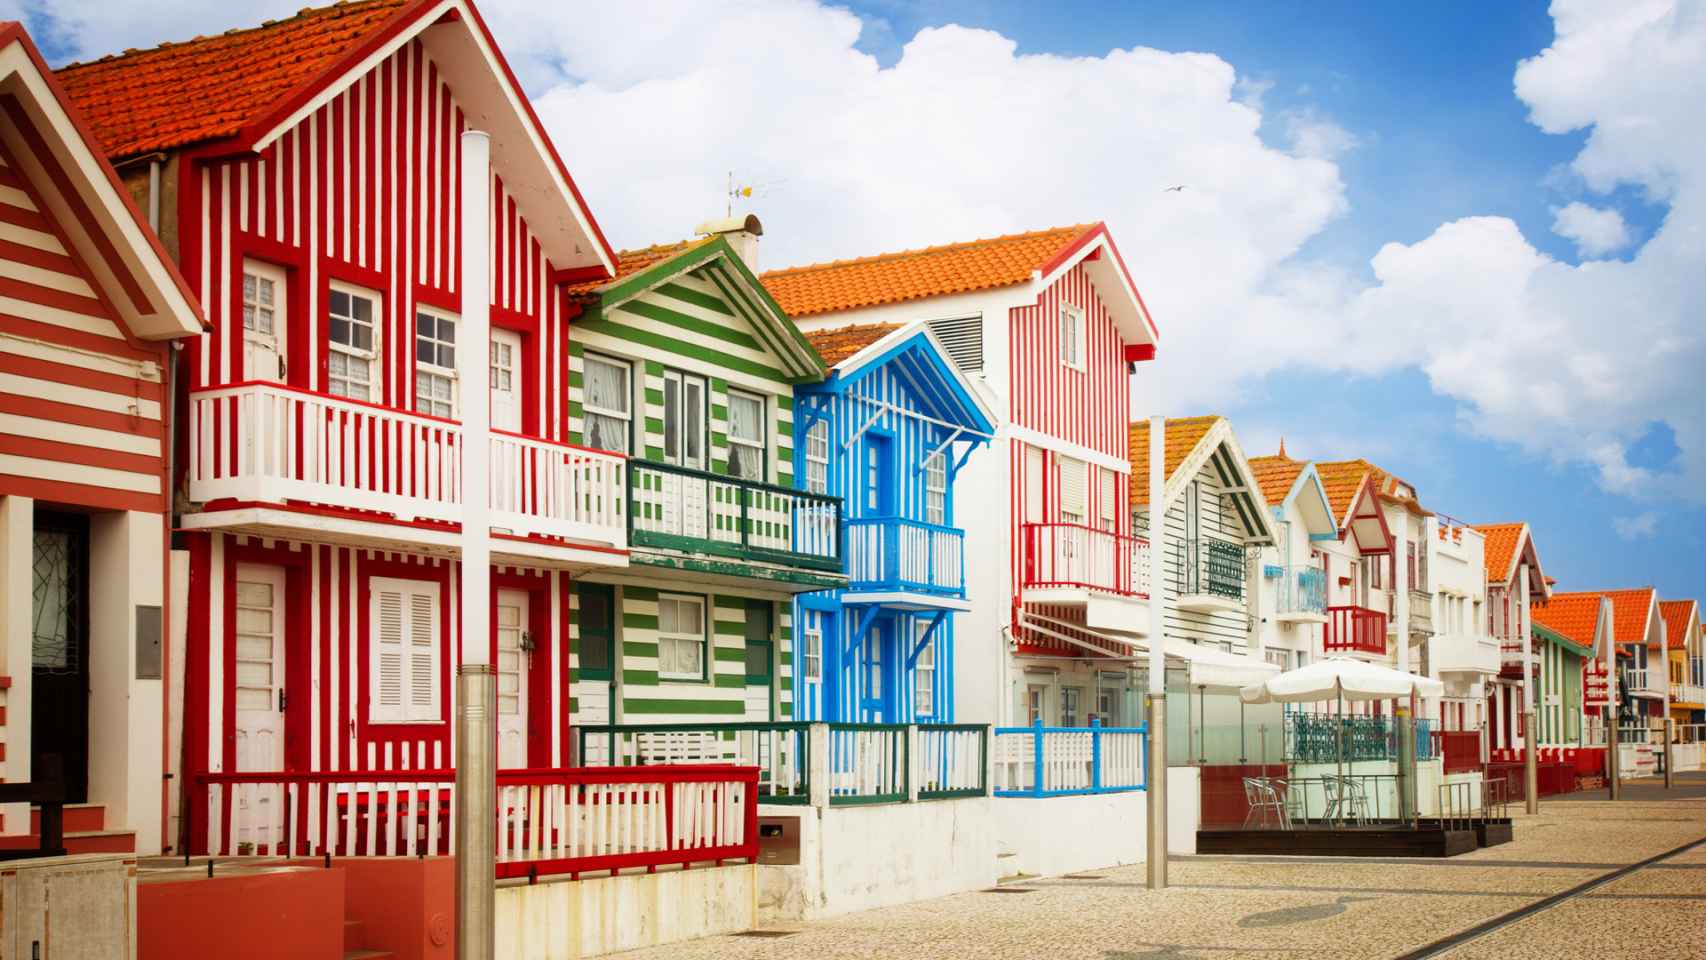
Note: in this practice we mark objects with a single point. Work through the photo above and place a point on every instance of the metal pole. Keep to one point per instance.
(1612, 777)
(1668, 730)
(476, 730)
(1530, 755)
(1157, 700)
(1406, 731)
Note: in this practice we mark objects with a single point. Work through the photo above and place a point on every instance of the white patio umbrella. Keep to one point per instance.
(1341, 679)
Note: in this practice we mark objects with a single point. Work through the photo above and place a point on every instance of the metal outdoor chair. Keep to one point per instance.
(1346, 802)
(1263, 800)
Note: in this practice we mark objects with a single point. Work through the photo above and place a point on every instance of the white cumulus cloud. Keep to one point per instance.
(1639, 527)
(1595, 231)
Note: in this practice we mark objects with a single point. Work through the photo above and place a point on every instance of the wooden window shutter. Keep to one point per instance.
(388, 630)
(1072, 484)
(423, 655)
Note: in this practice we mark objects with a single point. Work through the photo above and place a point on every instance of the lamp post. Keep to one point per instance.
(1157, 775)
(476, 684)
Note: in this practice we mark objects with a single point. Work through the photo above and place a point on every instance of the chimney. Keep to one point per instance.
(741, 232)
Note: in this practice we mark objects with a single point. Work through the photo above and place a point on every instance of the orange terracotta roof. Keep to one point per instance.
(1342, 479)
(1629, 609)
(1575, 615)
(1182, 436)
(837, 345)
(207, 88)
(916, 274)
(1275, 475)
(630, 262)
(1679, 615)
(1503, 539)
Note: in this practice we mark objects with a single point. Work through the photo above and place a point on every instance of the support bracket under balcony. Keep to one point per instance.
(867, 616)
(917, 648)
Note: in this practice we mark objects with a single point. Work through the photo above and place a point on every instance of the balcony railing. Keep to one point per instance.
(1211, 568)
(1686, 693)
(1356, 629)
(906, 556)
(1039, 761)
(1326, 738)
(1635, 681)
(1075, 556)
(1301, 589)
(694, 511)
(271, 443)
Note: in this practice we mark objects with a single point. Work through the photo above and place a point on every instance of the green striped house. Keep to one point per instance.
(684, 363)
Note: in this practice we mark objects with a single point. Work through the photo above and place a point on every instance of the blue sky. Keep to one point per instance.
(1426, 91)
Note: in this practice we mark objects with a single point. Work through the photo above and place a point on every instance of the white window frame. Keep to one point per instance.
(811, 647)
(590, 410)
(685, 637)
(372, 356)
(1073, 478)
(1076, 695)
(924, 672)
(410, 708)
(275, 275)
(434, 368)
(758, 445)
(1072, 338)
(817, 457)
(936, 489)
(692, 421)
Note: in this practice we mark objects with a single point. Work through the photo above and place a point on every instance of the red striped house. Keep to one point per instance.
(307, 173)
(89, 307)
(1050, 324)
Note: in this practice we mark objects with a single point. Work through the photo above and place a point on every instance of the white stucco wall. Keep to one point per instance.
(126, 748)
(581, 918)
(863, 857)
(1055, 835)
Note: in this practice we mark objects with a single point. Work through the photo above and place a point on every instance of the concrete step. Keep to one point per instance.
(83, 841)
(79, 818)
(354, 939)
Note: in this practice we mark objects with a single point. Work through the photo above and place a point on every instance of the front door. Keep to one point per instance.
(760, 657)
(259, 695)
(512, 658)
(506, 374)
(879, 479)
(594, 678)
(875, 695)
(59, 710)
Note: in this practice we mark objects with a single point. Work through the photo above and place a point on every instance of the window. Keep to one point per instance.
(681, 637)
(817, 457)
(924, 674)
(1072, 336)
(1279, 658)
(746, 436)
(607, 402)
(962, 337)
(354, 341)
(1110, 500)
(1034, 704)
(1374, 564)
(1108, 705)
(811, 652)
(684, 419)
(435, 364)
(405, 650)
(874, 666)
(260, 300)
(1069, 702)
(1071, 476)
(263, 321)
(936, 489)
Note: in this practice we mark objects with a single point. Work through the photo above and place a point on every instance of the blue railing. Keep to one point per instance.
(909, 556)
(1039, 761)
(1324, 738)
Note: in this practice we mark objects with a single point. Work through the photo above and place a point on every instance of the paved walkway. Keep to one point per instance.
(1316, 909)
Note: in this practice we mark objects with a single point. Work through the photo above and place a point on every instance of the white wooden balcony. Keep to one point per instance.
(1465, 653)
(1104, 573)
(280, 461)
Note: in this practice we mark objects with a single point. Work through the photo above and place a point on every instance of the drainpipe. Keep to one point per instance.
(1157, 706)
(476, 763)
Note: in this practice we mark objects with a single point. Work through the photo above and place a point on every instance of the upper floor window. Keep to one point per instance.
(936, 489)
(1110, 500)
(607, 402)
(1072, 336)
(684, 419)
(817, 457)
(811, 645)
(746, 435)
(1071, 476)
(263, 321)
(435, 364)
(681, 637)
(354, 339)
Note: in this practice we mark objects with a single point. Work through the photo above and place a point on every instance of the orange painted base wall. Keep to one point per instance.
(406, 906)
(297, 915)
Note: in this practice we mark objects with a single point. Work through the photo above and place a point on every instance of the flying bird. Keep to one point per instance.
(1176, 189)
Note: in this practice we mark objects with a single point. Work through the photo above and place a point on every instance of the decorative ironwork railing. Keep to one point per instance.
(696, 511)
(1211, 567)
(1326, 738)
(1039, 761)
(891, 553)
(1073, 555)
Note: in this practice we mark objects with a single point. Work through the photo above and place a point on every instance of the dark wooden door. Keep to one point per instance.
(59, 702)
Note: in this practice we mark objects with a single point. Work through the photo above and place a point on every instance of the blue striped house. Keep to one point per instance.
(887, 431)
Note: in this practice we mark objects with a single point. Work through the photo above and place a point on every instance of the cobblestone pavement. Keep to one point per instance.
(1316, 909)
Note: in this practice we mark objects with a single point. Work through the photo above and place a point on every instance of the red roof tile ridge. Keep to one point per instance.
(341, 8)
(1075, 231)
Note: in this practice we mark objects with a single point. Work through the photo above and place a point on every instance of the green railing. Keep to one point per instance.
(953, 761)
(780, 751)
(1211, 567)
(869, 763)
(696, 511)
